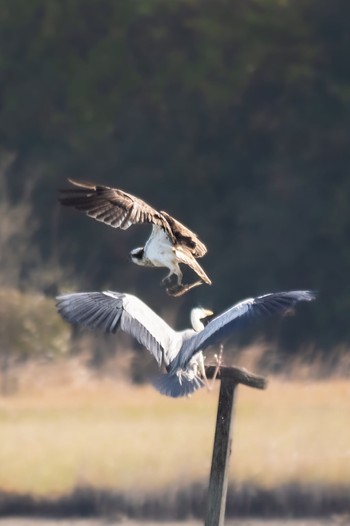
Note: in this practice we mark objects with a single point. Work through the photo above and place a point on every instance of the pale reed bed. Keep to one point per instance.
(113, 435)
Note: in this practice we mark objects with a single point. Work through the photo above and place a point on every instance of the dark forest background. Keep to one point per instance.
(232, 116)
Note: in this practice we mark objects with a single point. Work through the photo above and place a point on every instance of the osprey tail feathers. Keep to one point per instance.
(188, 259)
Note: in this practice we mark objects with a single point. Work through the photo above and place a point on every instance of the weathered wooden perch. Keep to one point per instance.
(237, 375)
(230, 377)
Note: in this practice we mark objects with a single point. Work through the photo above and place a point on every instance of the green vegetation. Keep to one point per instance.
(30, 327)
(232, 115)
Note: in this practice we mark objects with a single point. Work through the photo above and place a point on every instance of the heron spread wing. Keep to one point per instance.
(226, 323)
(111, 206)
(110, 311)
(172, 385)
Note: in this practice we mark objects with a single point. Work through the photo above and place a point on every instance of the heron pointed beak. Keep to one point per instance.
(207, 317)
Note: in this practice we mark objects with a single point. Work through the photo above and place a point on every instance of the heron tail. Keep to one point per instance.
(175, 386)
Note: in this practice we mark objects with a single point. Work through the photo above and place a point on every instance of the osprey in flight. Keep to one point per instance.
(169, 244)
(180, 352)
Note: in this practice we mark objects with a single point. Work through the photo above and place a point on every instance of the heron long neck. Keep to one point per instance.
(196, 322)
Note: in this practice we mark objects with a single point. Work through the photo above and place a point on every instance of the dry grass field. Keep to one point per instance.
(56, 436)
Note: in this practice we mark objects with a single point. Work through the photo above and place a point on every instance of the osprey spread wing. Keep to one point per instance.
(170, 243)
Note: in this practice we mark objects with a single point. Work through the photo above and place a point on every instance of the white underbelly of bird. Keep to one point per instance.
(160, 253)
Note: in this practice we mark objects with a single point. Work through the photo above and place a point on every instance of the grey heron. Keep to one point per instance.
(180, 352)
(170, 243)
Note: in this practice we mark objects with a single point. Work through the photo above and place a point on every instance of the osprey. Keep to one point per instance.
(180, 352)
(169, 244)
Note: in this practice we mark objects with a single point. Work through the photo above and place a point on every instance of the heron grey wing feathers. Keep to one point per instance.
(232, 319)
(111, 206)
(109, 311)
(149, 328)
(170, 385)
(90, 309)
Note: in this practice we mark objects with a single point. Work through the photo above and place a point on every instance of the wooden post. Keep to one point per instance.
(230, 378)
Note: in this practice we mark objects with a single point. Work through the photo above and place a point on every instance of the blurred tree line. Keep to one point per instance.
(232, 116)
